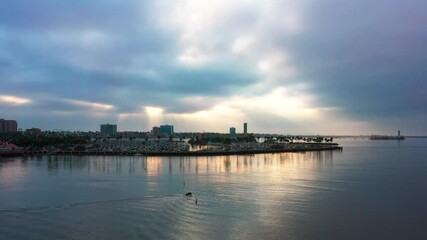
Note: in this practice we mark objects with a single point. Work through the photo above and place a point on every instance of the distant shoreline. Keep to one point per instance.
(307, 147)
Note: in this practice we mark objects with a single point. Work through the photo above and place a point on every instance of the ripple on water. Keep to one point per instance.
(148, 217)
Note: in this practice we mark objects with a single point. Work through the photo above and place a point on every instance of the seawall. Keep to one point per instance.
(306, 148)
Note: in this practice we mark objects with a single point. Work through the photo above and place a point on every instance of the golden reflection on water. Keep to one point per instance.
(275, 163)
(10, 174)
(242, 163)
(155, 166)
(258, 190)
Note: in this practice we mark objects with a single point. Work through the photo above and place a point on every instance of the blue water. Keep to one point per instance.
(370, 190)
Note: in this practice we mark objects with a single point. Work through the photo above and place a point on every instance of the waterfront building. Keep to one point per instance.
(34, 131)
(8, 146)
(155, 131)
(8, 126)
(245, 128)
(110, 129)
(166, 129)
(232, 132)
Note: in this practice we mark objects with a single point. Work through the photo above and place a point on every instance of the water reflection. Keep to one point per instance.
(265, 196)
(228, 188)
(12, 172)
(154, 166)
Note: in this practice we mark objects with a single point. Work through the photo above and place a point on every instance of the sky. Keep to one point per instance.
(283, 66)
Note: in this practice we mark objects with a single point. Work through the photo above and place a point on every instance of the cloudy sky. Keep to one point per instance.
(285, 66)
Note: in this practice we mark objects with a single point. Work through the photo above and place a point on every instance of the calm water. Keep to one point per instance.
(370, 190)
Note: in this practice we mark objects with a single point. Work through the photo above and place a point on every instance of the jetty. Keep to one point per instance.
(216, 150)
(385, 137)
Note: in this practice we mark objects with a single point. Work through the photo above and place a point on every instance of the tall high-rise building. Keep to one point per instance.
(232, 132)
(8, 126)
(245, 128)
(166, 129)
(110, 129)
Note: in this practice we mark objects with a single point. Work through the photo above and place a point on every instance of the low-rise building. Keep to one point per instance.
(155, 131)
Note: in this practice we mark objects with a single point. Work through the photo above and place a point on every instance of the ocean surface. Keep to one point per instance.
(370, 190)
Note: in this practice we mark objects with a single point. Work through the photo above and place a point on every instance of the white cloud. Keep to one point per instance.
(242, 45)
(13, 100)
(194, 56)
(92, 105)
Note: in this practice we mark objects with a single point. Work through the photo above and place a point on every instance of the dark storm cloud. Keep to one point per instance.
(212, 80)
(36, 64)
(40, 64)
(365, 57)
(63, 81)
(171, 84)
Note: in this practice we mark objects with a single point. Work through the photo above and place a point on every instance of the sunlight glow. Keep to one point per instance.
(277, 102)
(13, 100)
(153, 111)
(154, 115)
(291, 106)
(93, 105)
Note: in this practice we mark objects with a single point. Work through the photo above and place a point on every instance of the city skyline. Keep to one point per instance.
(286, 67)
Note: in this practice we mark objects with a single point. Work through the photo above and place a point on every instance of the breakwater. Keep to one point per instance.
(305, 147)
